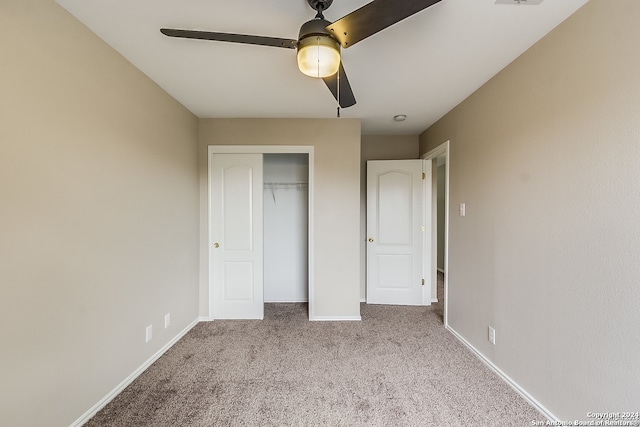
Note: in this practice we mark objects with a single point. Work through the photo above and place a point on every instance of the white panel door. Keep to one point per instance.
(395, 220)
(237, 236)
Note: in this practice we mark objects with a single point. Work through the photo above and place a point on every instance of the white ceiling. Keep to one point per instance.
(422, 67)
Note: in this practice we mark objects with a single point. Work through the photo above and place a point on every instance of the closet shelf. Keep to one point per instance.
(283, 185)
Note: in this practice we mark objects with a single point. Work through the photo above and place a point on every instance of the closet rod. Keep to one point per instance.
(274, 185)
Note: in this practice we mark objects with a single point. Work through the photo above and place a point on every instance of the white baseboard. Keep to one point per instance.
(434, 300)
(334, 318)
(514, 385)
(120, 387)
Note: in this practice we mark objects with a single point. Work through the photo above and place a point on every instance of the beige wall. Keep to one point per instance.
(335, 211)
(546, 156)
(99, 216)
(379, 147)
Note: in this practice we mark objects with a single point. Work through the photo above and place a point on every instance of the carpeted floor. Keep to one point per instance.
(397, 367)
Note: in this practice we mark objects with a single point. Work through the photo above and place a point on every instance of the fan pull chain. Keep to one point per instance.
(318, 56)
(338, 83)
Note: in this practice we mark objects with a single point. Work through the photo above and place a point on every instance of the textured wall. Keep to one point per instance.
(336, 221)
(546, 156)
(98, 216)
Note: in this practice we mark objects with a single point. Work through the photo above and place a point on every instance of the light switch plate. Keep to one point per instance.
(492, 335)
(463, 209)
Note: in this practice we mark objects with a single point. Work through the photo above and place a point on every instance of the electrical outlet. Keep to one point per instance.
(167, 320)
(492, 335)
(149, 333)
(463, 209)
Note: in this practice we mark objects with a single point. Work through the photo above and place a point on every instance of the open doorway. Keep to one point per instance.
(440, 226)
(286, 229)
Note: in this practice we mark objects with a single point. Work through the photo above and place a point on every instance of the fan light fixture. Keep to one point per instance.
(318, 56)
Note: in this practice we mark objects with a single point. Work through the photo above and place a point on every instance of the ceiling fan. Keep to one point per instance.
(319, 40)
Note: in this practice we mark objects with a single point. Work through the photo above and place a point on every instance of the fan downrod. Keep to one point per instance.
(320, 5)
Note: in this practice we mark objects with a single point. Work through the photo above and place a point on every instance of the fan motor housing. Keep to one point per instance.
(315, 31)
(315, 27)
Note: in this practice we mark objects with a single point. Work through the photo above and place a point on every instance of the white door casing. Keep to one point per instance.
(441, 150)
(395, 230)
(237, 236)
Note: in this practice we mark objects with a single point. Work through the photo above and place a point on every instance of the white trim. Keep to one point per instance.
(447, 168)
(209, 237)
(514, 385)
(135, 374)
(434, 300)
(310, 226)
(334, 318)
(266, 149)
(441, 149)
(285, 301)
(427, 246)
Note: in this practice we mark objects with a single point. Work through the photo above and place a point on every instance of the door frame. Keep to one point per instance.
(427, 237)
(263, 149)
(441, 150)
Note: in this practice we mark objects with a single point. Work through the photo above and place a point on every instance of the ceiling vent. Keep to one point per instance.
(532, 2)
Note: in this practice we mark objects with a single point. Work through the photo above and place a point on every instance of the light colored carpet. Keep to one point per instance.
(398, 367)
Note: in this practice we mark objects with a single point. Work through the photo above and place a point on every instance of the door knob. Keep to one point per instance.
(216, 245)
(370, 239)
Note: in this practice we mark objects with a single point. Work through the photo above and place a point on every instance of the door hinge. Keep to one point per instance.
(424, 176)
(422, 282)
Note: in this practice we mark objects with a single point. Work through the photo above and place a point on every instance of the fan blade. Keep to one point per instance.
(347, 99)
(229, 37)
(374, 17)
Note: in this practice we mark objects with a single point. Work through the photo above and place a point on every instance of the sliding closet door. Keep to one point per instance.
(237, 236)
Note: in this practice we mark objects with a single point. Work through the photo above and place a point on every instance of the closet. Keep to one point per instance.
(286, 203)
